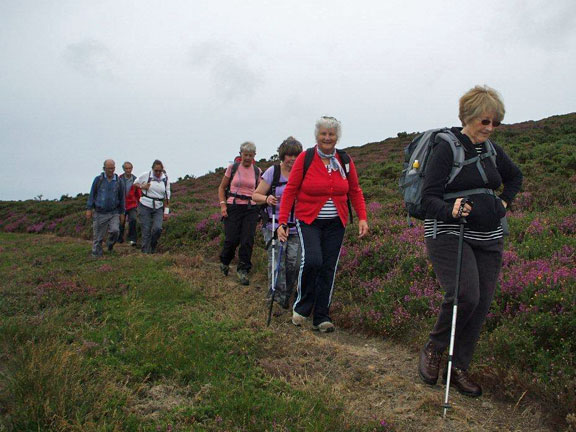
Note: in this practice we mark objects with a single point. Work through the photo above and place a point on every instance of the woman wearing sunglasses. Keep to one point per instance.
(153, 206)
(481, 111)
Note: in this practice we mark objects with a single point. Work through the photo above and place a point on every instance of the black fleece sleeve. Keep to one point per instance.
(437, 171)
(511, 175)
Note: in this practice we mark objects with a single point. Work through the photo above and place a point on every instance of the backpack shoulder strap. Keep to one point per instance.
(233, 170)
(345, 158)
(308, 160)
(165, 179)
(457, 151)
(256, 175)
(491, 150)
(276, 177)
(100, 180)
(232, 174)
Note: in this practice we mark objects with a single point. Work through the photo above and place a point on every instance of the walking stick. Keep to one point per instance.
(462, 222)
(273, 277)
(279, 261)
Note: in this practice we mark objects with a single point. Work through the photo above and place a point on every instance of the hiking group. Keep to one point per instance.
(114, 198)
(450, 181)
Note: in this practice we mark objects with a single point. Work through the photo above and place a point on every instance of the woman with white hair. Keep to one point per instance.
(320, 192)
(239, 212)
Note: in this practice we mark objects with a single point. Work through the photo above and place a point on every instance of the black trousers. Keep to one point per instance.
(131, 215)
(239, 229)
(481, 263)
(321, 242)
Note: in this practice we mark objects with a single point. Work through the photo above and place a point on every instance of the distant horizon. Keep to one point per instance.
(188, 82)
(267, 159)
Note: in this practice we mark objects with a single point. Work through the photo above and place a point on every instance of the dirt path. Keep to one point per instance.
(376, 379)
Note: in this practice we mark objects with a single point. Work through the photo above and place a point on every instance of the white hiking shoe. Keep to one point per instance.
(325, 327)
(298, 319)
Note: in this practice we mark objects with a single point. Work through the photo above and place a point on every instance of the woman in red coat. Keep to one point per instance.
(321, 211)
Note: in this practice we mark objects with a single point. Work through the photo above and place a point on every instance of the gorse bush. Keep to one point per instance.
(385, 284)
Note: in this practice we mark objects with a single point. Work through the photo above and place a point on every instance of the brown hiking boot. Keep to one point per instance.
(463, 383)
(429, 364)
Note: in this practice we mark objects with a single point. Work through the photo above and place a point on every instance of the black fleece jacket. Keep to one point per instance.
(487, 210)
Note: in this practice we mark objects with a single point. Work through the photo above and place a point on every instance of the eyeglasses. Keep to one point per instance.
(486, 122)
(158, 171)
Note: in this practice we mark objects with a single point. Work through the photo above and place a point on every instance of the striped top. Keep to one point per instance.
(328, 211)
(454, 228)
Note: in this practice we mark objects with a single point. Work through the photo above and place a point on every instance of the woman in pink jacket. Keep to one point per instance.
(320, 196)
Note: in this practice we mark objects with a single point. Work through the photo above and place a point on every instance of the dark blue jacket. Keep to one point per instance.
(107, 196)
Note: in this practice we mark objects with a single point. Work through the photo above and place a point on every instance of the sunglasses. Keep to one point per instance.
(486, 122)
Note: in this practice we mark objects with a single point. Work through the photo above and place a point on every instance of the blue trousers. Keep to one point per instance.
(321, 242)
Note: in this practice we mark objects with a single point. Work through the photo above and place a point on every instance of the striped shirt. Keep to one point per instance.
(328, 211)
(454, 228)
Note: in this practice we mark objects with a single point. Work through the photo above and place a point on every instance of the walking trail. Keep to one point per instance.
(376, 379)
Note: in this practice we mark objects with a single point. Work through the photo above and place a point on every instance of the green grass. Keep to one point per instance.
(124, 344)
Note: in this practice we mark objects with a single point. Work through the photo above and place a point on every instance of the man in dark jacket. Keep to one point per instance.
(132, 197)
(106, 207)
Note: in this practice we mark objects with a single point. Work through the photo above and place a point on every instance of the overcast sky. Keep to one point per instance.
(187, 81)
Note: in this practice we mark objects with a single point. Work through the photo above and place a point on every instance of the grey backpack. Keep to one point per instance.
(416, 156)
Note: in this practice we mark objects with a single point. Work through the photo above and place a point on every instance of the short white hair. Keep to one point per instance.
(248, 147)
(328, 122)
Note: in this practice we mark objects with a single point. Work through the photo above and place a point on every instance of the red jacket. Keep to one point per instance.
(318, 186)
(132, 197)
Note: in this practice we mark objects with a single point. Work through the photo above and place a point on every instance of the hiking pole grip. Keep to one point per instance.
(462, 222)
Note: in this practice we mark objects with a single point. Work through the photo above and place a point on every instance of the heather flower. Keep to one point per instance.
(524, 200)
(537, 227)
(36, 228)
(568, 225)
(201, 226)
(374, 207)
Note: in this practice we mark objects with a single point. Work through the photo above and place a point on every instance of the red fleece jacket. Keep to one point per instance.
(319, 186)
(132, 197)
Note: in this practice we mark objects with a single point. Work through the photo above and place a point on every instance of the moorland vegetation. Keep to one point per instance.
(386, 287)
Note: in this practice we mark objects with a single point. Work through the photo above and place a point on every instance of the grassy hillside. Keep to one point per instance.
(385, 285)
(157, 343)
(128, 344)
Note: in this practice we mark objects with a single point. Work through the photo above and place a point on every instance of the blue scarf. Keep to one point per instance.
(333, 161)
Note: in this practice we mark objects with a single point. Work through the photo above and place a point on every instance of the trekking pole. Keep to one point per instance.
(272, 277)
(462, 222)
(278, 263)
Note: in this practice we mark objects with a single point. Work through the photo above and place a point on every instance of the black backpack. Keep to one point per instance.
(275, 183)
(345, 160)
